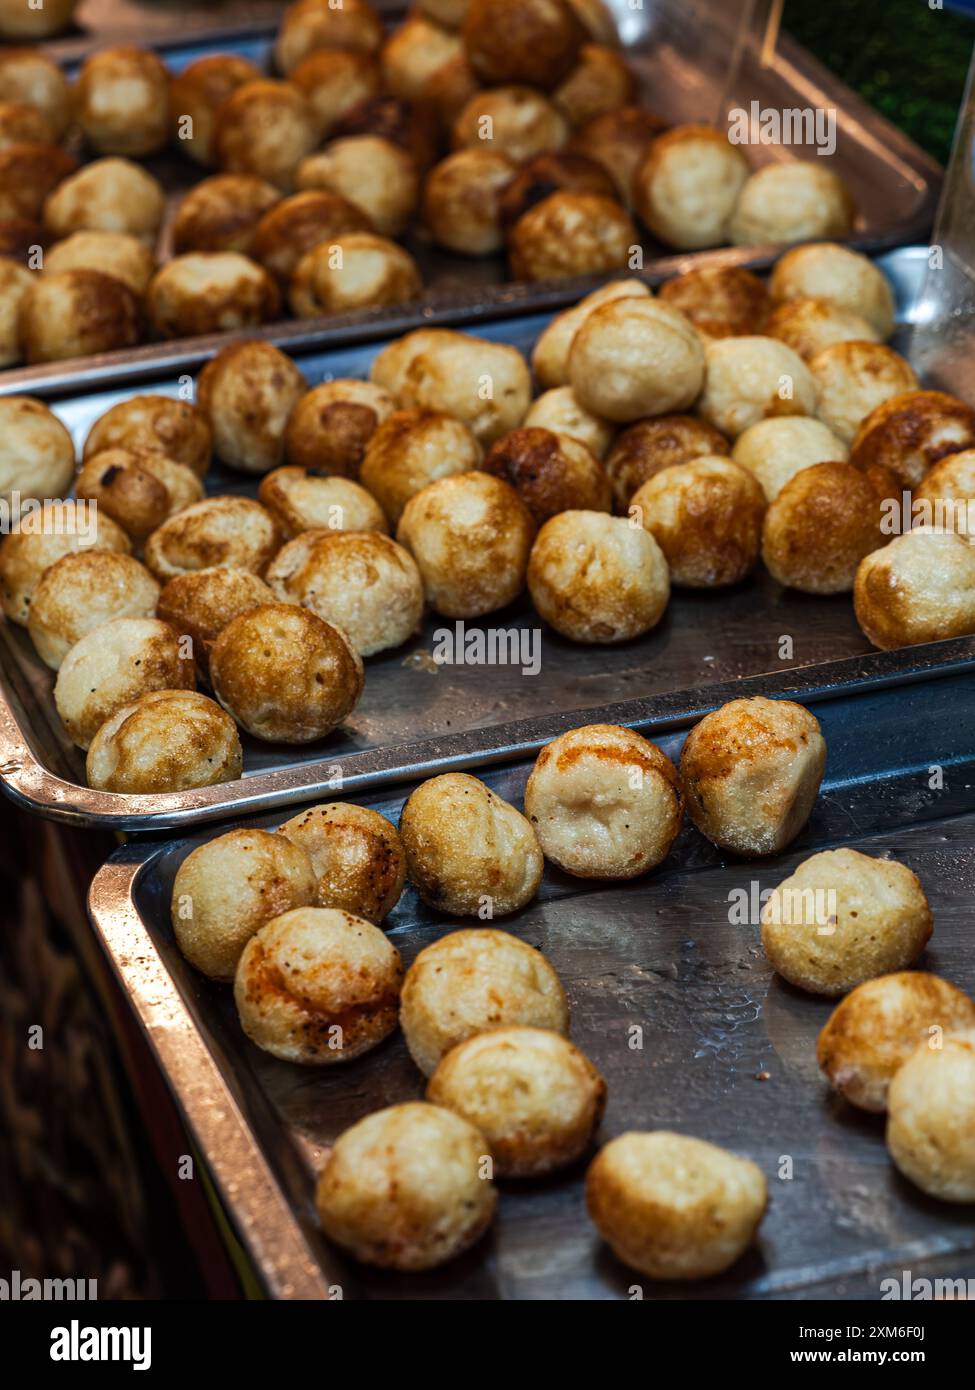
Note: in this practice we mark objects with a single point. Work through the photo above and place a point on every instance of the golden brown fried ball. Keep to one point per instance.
(536, 41)
(330, 428)
(550, 472)
(166, 741)
(649, 446)
(296, 225)
(800, 201)
(247, 393)
(108, 195)
(470, 535)
(517, 122)
(911, 432)
(406, 1188)
(411, 125)
(234, 531)
(447, 92)
(844, 277)
(550, 173)
(852, 379)
(920, 587)
(485, 385)
(412, 55)
(28, 75)
(121, 101)
(265, 128)
(227, 889)
(335, 83)
(409, 450)
(751, 772)
(29, 176)
(15, 281)
(36, 451)
(112, 253)
(22, 124)
(706, 515)
(618, 141)
(720, 301)
(210, 292)
(309, 25)
(873, 1031)
(931, 1118)
(59, 528)
(687, 186)
(600, 82)
(195, 96)
(200, 603)
(137, 488)
(673, 1207)
(390, 365)
(300, 501)
(371, 173)
(474, 981)
(809, 325)
(356, 854)
(284, 674)
(535, 1097)
(222, 213)
(20, 21)
(571, 233)
(842, 918)
(80, 592)
(775, 450)
(75, 313)
(356, 271)
(946, 497)
(753, 378)
(560, 411)
(636, 357)
(462, 200)
(550, 355)
(155, 424)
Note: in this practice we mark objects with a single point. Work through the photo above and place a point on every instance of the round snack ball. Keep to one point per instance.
(720, 301)
(474, 981)
(649, 446)
(22, 124)
(909, 433)
(200, 604)
(550, 355)
(374, 174)
(617, 141)
(121, 101)
(234, 531)
(560, 411)
(15, 281)
(77, 313)
(536, 41)
(155, 424)
(809, 325)
(605, 802)
(36, 451)
(284, 674)
(166, 741)
(355, 271)
(945, 499)
(296, 225)
(687, 185)
(112, 665)
(447, 92)
(597, 578)
(19, 235)
(20, 21)
(412, 55)
(228, 888)
(108, 195)
(470, 536)
(844, 277)
(873, 1031)
(852, 379)
(28, 75)
(517, 122)
(752, 378)
(403, 1188)
(843, 918)
(535, 1098)
(113, 253)
(222, 213)
(409, 450)
(826, 520)
(931, 1118)
(549, 173)
(210, 292)
(309, 25)
(571, 233)
(302, 501)
(775, 450)
(336, 83)
(265, 128)
(550, 472)
(792, 202)
(138, 489)
(59, 528)
(318, 986)
(601, 81)
(331, 425)
(919, 588)
(462, 200)
(411, 125)
(360, 581)
(29, 174)
(465, 846)
(196, 94)
(672, 1207)
(751, 772)
(80, 592)
(247, 393)
(357, 856)
(636, 357)
(706, 515)
(390, 365)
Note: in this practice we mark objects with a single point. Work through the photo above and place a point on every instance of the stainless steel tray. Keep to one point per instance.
(659, 952)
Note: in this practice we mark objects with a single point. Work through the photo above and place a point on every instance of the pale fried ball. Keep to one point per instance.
(843, 918)
(405, 1188)
(377, 176)
(648, 446)
(112, 665)
(844, 277)
(550, 355)
(222, 213)
(23, 124)
(706, 515)
(618, 141)
(570, 233)
(361, 581)
(911, 432)
(210, 292)
(15, 280)
(195, 96)
(550, 472)
(946, 497)
(284, 674)
(336, 82)
(536, 41)
(462, 200)
(852, 379)
(873, 1031)
(751, 772)
(80, 592)
(265, 128)
(166, 741)
(517, 122)
(138, 489)
(318, 986)
(597, 578)
(931, 1118)
(59, 528)
(673, 1207)
(21, 21)
(234, 531)
(470, 536)
(775, 450)
(228, 888)
(247, 393)
(409, 450)
(809, 325)
(473, 981)
(36, 451)
(75, 313)
(687, 186)
(121, 101)
(413, 53)
(108, 195)
(200, 603)
(391, 363)
(29, 174)
(535, 1097)
(720, 301)
(330, 427)
(601, 81)
(484, 384)
(28, 75)
(356, 854)
(113, 253)
(156, 424)
(297, 225)
(300, 501)
(312, 24)
(920, 587)
(549, 173)
(799, 201)
(560, 411)
(752, 378)
(355, 271)
(635, 357)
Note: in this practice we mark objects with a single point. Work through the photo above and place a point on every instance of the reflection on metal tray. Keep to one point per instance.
(659, 952)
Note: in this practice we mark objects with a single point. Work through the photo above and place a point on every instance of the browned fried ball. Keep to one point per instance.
(550, 472)
(412, 448)
(80, 592)
(413, 53)
(23, 124)
(331, 425)
(808, 325)
(720, 301)
(165, 741)
(233, 531)
(335, 82)
(601, 81)
(222, 213)
(648, 446)
(309, 25)
(618, 141)
(76, 313)
(200, 603)
(247, 393)
(111, 253)
(518, 122)
(371, 172)
(265, 128)
(300, 500)
(357, 856)
(298, 224)
(911, 432)
(571, 233)
(121, 101)
(29, 174)
(852, 379)
(411, 125)
(356, 271)
(920, 587)
(687, 185)
(15, 280)
(536, 41)
(195, 96)
(549, 173)
(137, 488)
(28, 75)
(107, 195)
(157, 424)
(210, 292)
(462, 200)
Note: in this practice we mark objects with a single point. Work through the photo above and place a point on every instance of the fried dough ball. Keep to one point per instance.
(112, 253)
(36, 451)
(839, 275)
(335, 83)
(29, 176)
(601, 81)
(485, 385)
(411, 449)
(21, 21)
(535, 1097)
(28, 75)
(222, 213)
(330, 428)
(301, 501)
(22, 124)
(355, 271)
(447, 91)
(371, 173)
(824, 521)
(411, 125)
(111, 666)
(108, 195)
(636, 357)
(946, 497)
(706, 515)
(404, 1188)
(165, 741)
(462, 200)
(470, 536)
(909, 433)
(618, 141)
(919, 588)
(390, 365)
(752, 378)
(751, 772)
(598, 578)
(720, 301)
(687, 185)
(800, 201)
(843, 918)
(560, 411)
(550, 355)
(265, 128)
(228, 888)
(59, 528)
(247, 393)
(474, 981)
(200, 603)
(550, 472)
(154, 424)
(571, 233)
(309, 25)
(75, 313)
(549, 173)
(138, 489)
(649, 446)
(413, 53)
(673, 1207)
(809, 325)
(361, 581)
(356, 854)
(121, 101)
(873, 1031)
(318, 986)
(233, 531)
(284, 674)
(775, 450)
(931, 1118)
(195, 96)
(80, 592)
(852, 379)
(517, 122)
(210, 292)
(297, 225)
(536, 41)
